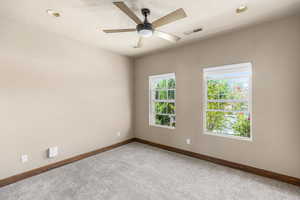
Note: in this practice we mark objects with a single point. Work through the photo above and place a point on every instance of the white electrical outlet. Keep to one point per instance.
(24, 158)
(119, 134)
(52, 152)
(188, 141)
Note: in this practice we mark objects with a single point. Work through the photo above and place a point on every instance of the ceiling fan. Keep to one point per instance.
(147, 29)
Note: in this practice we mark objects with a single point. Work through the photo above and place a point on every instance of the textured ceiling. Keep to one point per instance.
(82, 19)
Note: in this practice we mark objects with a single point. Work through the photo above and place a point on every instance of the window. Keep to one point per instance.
(162, 100)
(227, 104)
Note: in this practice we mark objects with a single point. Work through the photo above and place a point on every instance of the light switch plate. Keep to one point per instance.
(52, 152)
(118, 133)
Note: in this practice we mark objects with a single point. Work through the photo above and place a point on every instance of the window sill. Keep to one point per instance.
(230, 136)
(160, 126)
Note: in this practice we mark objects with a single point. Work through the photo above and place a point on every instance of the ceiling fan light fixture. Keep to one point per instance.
(145, 30)
(145, 33)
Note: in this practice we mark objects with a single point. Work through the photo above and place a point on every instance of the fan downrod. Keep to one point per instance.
(145, 12)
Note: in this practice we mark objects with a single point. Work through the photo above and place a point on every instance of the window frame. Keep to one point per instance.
(232, 67)
(161, 76)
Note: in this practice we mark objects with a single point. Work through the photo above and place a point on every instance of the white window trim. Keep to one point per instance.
(150, 100)
(229, 68)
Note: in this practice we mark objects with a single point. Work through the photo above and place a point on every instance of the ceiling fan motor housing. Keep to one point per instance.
(145, 26)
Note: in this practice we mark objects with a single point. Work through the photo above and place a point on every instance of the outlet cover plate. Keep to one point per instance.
(24, 158)
(188, 141)
(52, 152)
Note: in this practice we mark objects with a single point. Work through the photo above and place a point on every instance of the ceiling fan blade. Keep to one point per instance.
(171, 17)
(140, 43)
(119, 30)
(122, 6)
(167, 36)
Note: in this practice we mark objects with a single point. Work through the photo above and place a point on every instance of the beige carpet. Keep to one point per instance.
(139, 172)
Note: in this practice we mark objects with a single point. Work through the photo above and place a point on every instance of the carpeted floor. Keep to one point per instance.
(139, 172)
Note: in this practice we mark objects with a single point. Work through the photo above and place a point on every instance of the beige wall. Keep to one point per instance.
(274, 50)
(58, 92)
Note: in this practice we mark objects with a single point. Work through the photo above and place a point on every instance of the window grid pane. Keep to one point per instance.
(227, 101)
(162, 102)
